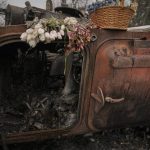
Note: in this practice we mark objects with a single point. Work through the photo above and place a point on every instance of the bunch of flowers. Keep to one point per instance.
(78, 37)
(54, 29)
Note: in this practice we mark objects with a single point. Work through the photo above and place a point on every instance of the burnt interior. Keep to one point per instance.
(34, 92)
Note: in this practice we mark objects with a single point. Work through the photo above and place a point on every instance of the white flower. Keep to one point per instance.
(59, 36)
(63, 27)
(47, 35)
(53, 34)
(32, 43)
(29, 31)
(23, 36)
(35, 33)
(29, 37)
(42, 37)
(70, 21)
(62, 32)
(38, 26)
(52, 37)
(40, 31)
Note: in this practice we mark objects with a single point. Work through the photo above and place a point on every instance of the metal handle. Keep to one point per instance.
(99, 96)
(111, 100)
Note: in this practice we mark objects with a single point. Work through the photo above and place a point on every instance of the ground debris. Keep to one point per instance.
(41, 110)
(104, 140)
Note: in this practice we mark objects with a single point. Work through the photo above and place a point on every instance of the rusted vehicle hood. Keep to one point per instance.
(18, 29)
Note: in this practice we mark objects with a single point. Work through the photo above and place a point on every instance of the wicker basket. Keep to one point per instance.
(112, 17)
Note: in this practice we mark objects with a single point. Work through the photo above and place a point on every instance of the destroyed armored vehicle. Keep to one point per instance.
(105, 87)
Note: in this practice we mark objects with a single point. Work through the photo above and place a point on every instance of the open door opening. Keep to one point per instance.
(39, 88)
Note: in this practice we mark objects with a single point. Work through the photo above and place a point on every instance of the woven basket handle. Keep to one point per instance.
(122, 3)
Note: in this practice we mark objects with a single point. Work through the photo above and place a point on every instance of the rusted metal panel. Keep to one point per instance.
(141, 44)
(120, 88)
(139, 61)
(8, 30)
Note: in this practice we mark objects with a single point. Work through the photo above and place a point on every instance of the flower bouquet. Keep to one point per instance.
(112, 14)
(74, 35)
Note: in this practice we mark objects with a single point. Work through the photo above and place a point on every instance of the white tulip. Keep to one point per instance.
(52, 37)
(42, 37)
(47, 35)
(66, 19)
(70, 21)
(62, 32)
(29, 31)
(40, 31)
(59, 36)
(35, 33)
(53, 33)
(33, 36)
(29, 37)
(38, 26)
(32, 43)
(23, 36)
(63, 27)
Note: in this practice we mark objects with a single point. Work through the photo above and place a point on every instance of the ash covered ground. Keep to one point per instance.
(121, 139)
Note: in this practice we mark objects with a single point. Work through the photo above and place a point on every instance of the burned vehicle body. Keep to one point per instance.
(113, 89)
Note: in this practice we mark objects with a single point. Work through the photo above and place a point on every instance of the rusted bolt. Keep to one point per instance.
(93, 38)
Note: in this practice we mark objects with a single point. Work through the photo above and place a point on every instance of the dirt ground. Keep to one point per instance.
(120, 139)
